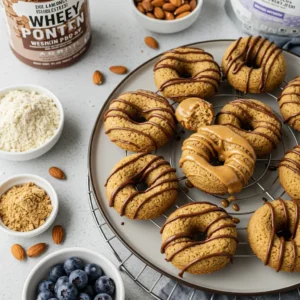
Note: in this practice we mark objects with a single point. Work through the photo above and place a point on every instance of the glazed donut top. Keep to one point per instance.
(177, 60)
(231, 148)
(282, 240)
(255, 47)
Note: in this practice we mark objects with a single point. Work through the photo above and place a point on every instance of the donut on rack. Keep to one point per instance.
(217, 141)
(153, 171)
(187, 72)
(254, 64)
(253, 120)
(289, 103)
(274, 234)
(289, 172)
(191, 254)
(140, 121)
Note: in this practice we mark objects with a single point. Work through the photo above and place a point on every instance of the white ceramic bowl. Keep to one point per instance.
(41, 270)
(164, 26)
(42, 183)
(34, 153)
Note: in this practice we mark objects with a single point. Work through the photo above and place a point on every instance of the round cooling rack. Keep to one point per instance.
(136, 244)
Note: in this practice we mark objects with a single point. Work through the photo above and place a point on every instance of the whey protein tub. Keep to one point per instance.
(48, 34)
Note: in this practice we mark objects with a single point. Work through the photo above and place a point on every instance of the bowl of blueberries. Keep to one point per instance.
(74, 274)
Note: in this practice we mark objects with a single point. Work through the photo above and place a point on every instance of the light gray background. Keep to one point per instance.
(117, 39)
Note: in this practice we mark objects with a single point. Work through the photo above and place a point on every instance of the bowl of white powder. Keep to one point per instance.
(31, 122)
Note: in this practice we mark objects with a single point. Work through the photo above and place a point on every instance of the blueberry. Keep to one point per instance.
(67, 291)
(59, 282)
(46, 285)
(93, 271)
(79, 279)
(83, 296)
(103, 297)
(56, 272)
(72, 264)
(89, 290)
(104, 284)
(45, 295)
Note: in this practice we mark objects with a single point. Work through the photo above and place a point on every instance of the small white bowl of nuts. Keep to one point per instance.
(166, 16)
(28, 205)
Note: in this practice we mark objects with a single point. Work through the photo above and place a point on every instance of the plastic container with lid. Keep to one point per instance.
(48, 34)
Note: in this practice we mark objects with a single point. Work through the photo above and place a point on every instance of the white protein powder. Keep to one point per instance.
(27, 120)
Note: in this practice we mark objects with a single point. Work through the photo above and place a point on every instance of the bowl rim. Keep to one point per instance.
(49, 220)
(198, 7)
(121, 287)
(39, 89)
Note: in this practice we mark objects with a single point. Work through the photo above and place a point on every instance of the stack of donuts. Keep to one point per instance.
(144, 186)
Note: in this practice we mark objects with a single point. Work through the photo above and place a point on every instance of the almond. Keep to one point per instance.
(36, 250)
(177, 3)
(159, 13)
(141, 8)
(98, 77)
(158, 3)
(169, 7)
(193, 4)
(182, 9)
(183, 15)
(150, 15)
(118, 69)
(169, 15)
(147, 5)
(151, 42)
(18, 252)
(57, 173)
(57, 234)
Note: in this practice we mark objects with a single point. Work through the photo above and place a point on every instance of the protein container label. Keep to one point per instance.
(48, 33)
(281, 17)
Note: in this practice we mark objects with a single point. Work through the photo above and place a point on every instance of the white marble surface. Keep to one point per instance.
(117, 39)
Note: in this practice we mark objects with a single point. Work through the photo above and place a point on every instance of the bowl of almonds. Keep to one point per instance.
(166, 16)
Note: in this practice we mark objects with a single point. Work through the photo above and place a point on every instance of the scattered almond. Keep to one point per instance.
(183, 15)
(151, 42)
(57, 173)
(98, 77)
(18, 252)
(182, 9)
(36, 250)
(118, 69)
(57, 234)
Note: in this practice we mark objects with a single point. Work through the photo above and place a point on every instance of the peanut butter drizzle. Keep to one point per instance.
(244, 57)
(202, 258)
(224, 173)
(185, 108)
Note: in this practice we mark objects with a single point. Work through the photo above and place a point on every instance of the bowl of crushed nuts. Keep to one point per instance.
(166, 16)
(28, 205)
(31, 122)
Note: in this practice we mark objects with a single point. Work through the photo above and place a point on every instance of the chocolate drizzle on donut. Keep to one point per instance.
(274, 129)
(113, 112)
(140, 177)
(294, 165)
(244, 57)
(188, 238)
(198, 77)
(282, 239)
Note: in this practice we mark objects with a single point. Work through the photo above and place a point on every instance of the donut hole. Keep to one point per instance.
(252, 64)
(141, 186)
(215, 161)
(184, 73)
(247, 127)
(285, 233)
(199, 236)
(138, 118)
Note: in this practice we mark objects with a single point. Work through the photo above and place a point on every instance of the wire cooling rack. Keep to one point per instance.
(144, 275)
